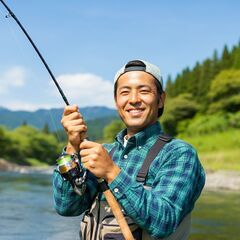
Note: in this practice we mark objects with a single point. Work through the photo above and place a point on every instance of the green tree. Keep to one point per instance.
(177, 109)
(236, 62)
(169, 86)
(224, 92)
(196, 75)
(226, 58)
(44, 147)
(112, 129)
(46, 128)
(204, 80)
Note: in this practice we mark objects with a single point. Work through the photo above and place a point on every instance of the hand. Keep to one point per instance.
(74, 126)
(97, 160)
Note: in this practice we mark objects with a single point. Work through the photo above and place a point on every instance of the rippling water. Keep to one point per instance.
(26, 212)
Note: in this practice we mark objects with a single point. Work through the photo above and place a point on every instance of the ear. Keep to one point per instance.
(161, 100)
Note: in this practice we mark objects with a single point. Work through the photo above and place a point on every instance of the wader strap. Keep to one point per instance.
(153, 152)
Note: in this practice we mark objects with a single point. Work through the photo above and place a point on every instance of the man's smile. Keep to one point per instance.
(135, 112)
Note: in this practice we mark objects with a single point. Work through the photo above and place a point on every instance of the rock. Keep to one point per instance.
(228, 180)
(8, 166)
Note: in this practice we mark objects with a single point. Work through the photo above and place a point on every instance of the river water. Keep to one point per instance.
(26, 212)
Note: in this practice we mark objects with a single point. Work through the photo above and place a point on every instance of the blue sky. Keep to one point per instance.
(86, 42)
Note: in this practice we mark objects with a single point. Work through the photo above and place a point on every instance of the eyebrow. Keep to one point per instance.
(140, 86)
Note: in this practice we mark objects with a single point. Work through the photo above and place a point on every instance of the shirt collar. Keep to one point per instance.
(140, 138)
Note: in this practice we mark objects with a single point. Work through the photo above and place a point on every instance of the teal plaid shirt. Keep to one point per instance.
(176, 178)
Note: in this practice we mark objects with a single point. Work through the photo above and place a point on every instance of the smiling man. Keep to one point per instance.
(155, 178)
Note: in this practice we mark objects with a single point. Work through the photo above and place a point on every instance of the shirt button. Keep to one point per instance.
(125, 156)
(116, 190)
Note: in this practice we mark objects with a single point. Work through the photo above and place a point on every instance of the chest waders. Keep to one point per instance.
(99, 223)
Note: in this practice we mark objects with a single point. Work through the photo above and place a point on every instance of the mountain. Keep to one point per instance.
(52, 117)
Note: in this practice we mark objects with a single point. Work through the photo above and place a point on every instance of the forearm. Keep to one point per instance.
(66, 201)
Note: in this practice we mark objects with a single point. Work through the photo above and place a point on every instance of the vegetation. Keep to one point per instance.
(27, 146)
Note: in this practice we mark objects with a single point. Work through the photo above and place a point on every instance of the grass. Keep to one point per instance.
(221, 160)
(218, 151)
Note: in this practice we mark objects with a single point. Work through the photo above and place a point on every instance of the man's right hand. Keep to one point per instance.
(75, 128)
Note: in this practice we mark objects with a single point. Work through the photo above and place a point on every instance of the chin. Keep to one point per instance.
(136, 124)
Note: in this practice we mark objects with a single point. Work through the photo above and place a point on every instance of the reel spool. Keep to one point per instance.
(71, 170)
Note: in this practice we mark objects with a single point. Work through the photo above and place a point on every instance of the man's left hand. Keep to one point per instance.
(97, 160)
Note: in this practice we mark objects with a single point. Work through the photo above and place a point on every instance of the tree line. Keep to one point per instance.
(26, 144)
(207, 94)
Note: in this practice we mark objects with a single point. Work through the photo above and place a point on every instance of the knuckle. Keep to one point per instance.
(97, 150)
(70, 129)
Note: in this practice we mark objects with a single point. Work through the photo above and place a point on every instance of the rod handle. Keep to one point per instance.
(115, 207)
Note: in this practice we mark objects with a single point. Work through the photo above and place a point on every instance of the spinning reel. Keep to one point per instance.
(71, 170)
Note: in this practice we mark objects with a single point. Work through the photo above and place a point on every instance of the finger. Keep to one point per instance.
(69, 119)
(77, 129)
(70, 109)
(73, 115)
(88, 144)
(88, 162)
(85, 152)
(76, 122)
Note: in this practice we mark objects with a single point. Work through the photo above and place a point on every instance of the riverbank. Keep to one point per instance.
(222, 180)
(12, 167)
(215, 180)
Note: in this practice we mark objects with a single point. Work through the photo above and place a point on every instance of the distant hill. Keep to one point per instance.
(98, 116)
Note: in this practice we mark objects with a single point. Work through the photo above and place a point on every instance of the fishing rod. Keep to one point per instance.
(69, 167)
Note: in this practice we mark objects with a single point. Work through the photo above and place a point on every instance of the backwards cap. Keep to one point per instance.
(140, 65)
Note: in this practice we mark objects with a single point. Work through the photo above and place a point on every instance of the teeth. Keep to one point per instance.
(135, 111)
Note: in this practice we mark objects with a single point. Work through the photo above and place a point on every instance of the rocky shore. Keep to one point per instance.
(8, 166)
(219, 180)
(222, 180)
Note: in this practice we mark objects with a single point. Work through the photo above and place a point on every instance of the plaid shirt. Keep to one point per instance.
(176, 178)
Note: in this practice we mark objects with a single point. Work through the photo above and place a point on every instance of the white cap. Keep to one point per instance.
(140, 65)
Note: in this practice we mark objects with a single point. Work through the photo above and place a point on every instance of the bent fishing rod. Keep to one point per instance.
(69, 166)
(11, 14)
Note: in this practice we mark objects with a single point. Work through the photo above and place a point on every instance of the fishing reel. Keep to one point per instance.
(71, 170)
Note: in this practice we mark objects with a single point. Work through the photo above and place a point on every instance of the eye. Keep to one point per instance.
(144, 91)
(124, 92)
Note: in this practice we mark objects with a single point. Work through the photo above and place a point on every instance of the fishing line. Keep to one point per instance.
(36, 84)
(11, 14)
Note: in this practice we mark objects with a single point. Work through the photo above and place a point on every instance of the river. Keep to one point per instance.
(26, 212)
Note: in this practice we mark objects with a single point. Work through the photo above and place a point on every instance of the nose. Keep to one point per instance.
(134, 97)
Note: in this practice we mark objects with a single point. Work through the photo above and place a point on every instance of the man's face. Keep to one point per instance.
(137, 100)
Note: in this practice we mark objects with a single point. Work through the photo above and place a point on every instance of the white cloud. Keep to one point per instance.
(13, 77)
(87, 89)
(27, 106)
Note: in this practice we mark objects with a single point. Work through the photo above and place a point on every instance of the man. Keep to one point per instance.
(160, 205)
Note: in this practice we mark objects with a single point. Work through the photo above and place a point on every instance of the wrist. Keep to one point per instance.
(112, 173)
(70, 149)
